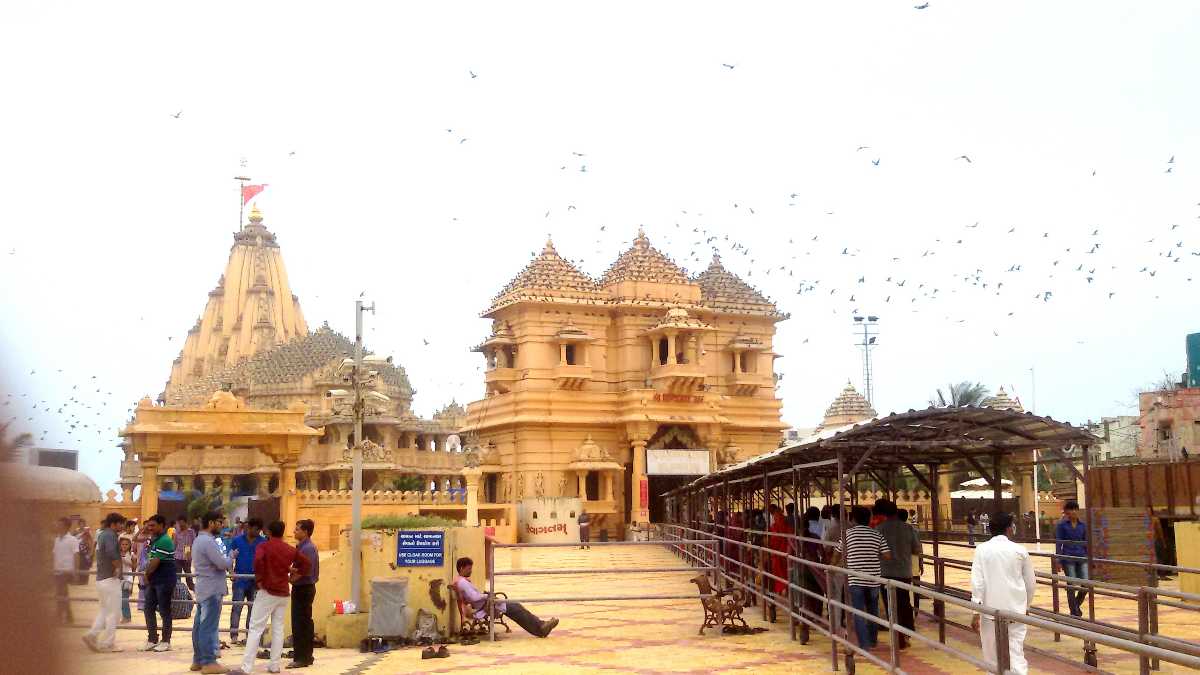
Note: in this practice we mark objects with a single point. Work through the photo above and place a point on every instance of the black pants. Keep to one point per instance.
(904, 610)
(302, 622)
(158, 598)
(186, 566)
(524, 618)
(62, 581)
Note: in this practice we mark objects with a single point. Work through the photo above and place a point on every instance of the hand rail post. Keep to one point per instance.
(1152, 608)
(491, 556)
(1055, 568)
(1143, 628)
(939, 606)
(894, 637)
(1003, 663)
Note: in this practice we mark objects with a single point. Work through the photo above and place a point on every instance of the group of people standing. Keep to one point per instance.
(192, 563)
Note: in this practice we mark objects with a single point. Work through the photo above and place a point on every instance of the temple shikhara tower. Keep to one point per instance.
(251, 345)
(618, 389)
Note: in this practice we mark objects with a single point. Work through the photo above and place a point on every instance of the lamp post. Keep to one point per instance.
(356, 487)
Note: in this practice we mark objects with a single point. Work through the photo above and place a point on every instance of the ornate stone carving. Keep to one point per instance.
(372, 452)
(539, 487)
(520, 490)
(471, 458)
(728, 455)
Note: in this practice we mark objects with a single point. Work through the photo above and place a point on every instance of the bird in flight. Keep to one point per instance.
(473, 74)
(729, 65)
(964, 157)
(862, 147)
(923, 6)
(180, 113)
(875, 162)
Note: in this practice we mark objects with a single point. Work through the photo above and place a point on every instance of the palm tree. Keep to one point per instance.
(961, 394)
(10, 450)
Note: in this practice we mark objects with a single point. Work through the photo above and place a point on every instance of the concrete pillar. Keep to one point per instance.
(287, 497)
(264, 484)
(582, 483)
(226, 489)
(126, 493)
(671, 348)
(944, 489)
(641, 510)
(608, 486)
(149, 489)
(562, 353)
(343, 480)
(472, 479)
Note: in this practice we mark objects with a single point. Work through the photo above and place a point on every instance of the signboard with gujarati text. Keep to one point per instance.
(677, 462)
(420, 548)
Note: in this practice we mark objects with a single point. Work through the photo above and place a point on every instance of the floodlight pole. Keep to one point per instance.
(356, 487)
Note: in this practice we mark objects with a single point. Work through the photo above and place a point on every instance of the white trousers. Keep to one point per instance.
(1016, 644)
(104, 627)
(266, 607)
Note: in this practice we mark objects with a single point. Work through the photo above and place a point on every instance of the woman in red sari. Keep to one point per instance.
(779, 563)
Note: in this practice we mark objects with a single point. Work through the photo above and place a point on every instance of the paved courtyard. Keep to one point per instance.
(633, 637)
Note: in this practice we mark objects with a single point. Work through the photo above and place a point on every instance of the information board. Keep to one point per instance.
(677, 462)
(420, 548)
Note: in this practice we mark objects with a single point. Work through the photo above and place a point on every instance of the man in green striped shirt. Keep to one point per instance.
(160, 584)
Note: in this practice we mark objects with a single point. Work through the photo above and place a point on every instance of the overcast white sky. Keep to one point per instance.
(117, 216)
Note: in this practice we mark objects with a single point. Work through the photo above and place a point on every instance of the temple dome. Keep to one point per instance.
(849, 407)
(643, 262)
(31, 483)
(723, 289)
(1002, 401)
(547, 275)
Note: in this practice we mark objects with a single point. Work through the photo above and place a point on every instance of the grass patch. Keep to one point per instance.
(386, 522)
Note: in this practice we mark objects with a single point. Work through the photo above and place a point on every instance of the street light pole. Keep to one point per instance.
(356, 487)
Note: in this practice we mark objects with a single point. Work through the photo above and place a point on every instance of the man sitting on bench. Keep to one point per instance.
(513, 610)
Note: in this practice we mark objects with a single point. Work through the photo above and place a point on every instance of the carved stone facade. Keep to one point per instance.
(583, 375)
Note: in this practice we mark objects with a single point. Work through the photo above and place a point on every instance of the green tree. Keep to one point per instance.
(200, 503)
(410, 484)
(961, 394)
(10, 449)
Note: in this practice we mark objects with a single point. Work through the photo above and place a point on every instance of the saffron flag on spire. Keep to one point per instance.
(251, 191)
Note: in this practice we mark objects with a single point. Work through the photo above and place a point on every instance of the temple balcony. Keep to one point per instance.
(677, 378)
(600, 506)
(572, 377)
(746, 384)
(500, 380)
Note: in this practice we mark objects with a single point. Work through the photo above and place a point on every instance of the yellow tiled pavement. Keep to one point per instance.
(636, 636)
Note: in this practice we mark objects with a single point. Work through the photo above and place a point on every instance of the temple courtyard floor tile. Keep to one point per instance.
(641, 636)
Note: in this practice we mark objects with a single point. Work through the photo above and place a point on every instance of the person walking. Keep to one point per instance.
(1071, 540)
(244, 546)
(184, 537)
(585, 529)
(66, 561)
(128, 567)
(836, 580)
(275, 564)
(971, 523)
(865, 550)
(304, 590)
(984, 523)
(911, 518)
(102, 636)
(1002, 578)
(87, 551)
(160, 584)
(903, 542)
(211, 567)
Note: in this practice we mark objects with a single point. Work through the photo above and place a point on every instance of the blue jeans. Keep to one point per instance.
(205, 641)
(125, 593)
(1076, 569)
(865, 598)
(240, 592)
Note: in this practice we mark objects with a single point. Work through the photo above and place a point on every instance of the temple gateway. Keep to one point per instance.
(619, 389)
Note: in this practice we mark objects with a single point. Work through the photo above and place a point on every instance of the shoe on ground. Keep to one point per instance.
(549, 626)
(298, 664)
(195, 667)
(443, 653)
(162, 647)
(90, 641)
(428, 653)
(272, 669)
(214, 669)
(149, 646)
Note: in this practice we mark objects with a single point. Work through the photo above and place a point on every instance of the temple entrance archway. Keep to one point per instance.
(674, 457)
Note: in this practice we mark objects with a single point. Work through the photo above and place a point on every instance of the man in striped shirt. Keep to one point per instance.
(865, 548)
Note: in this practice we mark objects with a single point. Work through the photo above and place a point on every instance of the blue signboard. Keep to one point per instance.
(420, 548)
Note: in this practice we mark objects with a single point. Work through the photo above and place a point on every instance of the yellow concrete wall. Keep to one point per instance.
(1187, 551)
(379, 561)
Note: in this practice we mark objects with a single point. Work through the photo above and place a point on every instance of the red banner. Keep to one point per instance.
(251, 191)
(644, 512)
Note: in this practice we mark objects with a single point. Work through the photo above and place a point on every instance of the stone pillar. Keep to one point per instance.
(582, 483)
(641, 510)
(608, 486)
(1024, 483)
(343, 480)
(562, 353)
(671, 348)
(472, 479)
(264, 485)
(126, 493)
(149, 489)
(226, 489)
(287, 497)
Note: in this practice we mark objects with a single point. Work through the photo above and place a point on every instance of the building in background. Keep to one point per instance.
(850, 407)
(619, 389)
(1170, 424)
(64, 459)
(1120, 436)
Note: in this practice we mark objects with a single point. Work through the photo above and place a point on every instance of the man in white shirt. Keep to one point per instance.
(66, 562)
(514, 610)
(1002, 578)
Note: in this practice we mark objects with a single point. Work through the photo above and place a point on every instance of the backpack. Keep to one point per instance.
(181, 601)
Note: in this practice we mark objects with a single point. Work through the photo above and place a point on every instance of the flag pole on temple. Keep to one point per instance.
(241, 200)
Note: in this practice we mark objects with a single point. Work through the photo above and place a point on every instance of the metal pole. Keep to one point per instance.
(1089, 648)
(356, 488)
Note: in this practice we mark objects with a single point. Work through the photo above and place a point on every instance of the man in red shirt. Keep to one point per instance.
(276, 564)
